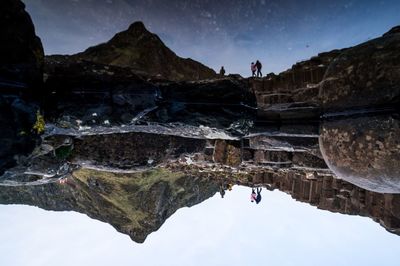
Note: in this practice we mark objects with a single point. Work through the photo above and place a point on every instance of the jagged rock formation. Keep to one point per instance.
(134, 204)
(293, 93)
(21, 51)
(364, 76)
(144, 52)
(364, 151)
(367, 75)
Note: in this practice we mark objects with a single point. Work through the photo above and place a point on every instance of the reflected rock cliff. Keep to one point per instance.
(364, 151)
(135, 180)
(135, 204)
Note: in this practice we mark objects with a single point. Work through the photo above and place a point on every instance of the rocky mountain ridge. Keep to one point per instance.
(144, 52)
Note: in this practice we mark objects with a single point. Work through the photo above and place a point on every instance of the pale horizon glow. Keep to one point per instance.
(229, 231)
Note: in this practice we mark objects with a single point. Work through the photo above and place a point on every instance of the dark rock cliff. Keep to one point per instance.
(79, 89)
(21, 51)
(21, 77)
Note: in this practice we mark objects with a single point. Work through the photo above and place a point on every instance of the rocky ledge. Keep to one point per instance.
(366, 76)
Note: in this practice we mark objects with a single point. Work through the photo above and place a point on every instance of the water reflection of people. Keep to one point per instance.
(253, 195)
(63, 180)
(258, 198)
(222, 190)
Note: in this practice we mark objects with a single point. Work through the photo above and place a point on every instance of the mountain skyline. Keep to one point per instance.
(229, 33)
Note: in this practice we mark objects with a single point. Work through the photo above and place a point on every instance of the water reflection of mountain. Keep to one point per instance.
(135, 204)
(183, 166)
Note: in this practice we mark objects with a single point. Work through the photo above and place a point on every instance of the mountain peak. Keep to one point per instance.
(394, 30)
(137, 26)
(143, 51)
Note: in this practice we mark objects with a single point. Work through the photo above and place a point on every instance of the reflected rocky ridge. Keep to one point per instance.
(129, 144)
(135, 204)
(136, 180)
(364, 151)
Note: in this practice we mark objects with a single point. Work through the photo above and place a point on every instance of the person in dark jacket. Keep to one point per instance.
(222, 71)
(258, 67)
(258, 197)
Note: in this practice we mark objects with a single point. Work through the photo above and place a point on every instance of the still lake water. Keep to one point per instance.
(152, 195)
(228, 231)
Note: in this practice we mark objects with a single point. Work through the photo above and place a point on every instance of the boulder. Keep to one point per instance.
(364, 151)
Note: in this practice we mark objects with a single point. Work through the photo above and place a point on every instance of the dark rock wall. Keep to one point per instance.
(21, 77)
(79, 89)
(21, 51)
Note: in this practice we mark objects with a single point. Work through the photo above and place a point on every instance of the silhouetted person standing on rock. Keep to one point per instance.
(258, 66)
(222, 71)
(253, 69)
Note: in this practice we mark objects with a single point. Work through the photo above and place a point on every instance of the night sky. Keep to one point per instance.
(232, 33)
